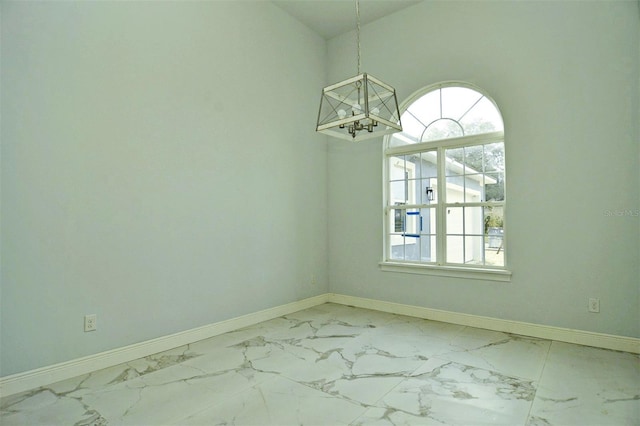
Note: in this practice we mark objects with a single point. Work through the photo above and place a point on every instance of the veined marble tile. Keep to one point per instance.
(588, 386)
(279, 401)
(473, 338)
(403, 343)
(295, 362)
(365, 380)
(150, 395)
(63, 402)
(44, 407)
(234, 337)
(423, 327)
(338, 365)
(364, 390)
(139, 403)
(512, 355)
(349, 314)
(167, 395)
(380, 416)
(454, 394)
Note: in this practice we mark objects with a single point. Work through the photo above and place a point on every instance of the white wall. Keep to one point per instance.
(146, 175)
(566, 77)
(159, 169)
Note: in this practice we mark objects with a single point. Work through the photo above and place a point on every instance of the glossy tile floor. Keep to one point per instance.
(337, 365)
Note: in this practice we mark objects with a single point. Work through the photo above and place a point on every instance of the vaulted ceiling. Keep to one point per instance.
(330, 18)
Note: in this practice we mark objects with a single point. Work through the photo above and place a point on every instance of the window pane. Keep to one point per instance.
(474, 250)
(427, 107)
(402, 176)
(473, 188)
(456, 101)
(455, 189)
(494, 235)
(428, 171)
(442, 129)
(396, 168)
(397, 225)
(412, 234)
(396, 249)
(411, 126)
(493, 220)
(494, 238)
(411, 227)
(427, 221)
(412, 247)
(455, 220)
(494, 187)
(428, 248)
(428, 191)
(398, 192)
(428, 235)
(473, 159)
(494, 256)
(455, 249)
(412, 222)
(473, 221)
(397, 220)
(484, 117)
(413, 166)
(494, 157)
(429, 164)
(454, 162)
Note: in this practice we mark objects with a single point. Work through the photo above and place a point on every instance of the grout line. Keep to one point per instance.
(539, 380)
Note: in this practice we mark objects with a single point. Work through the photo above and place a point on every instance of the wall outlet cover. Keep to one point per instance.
(90, 322)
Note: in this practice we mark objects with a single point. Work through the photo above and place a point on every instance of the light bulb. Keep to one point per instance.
(375, 111)
(357, 109)
(342, 113)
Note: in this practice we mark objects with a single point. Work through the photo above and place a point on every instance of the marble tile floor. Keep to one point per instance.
(339, 365)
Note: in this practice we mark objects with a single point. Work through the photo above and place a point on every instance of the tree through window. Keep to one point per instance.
(445, 181)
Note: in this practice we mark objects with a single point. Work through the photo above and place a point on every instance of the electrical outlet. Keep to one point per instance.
(594, 305)
(91, 322)
(313, 280)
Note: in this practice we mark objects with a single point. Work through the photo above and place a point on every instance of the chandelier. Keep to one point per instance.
(359, 108)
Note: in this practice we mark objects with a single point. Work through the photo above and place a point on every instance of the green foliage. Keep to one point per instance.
(493, 221)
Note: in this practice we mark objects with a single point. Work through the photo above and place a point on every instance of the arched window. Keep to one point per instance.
(445, 184)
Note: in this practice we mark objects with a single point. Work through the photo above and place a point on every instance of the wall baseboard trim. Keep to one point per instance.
(44, 376)
(580, 337)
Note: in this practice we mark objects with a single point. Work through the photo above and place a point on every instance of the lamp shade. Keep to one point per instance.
(359, 108)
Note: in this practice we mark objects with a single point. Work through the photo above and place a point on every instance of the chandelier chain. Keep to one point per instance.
(358, 32)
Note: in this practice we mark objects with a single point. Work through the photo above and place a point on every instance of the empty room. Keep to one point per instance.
(320, 212)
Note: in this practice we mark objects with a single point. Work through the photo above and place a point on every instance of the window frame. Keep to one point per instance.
(440, 267)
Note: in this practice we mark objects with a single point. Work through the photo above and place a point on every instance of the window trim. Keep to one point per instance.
(484, 138)
(478, 272)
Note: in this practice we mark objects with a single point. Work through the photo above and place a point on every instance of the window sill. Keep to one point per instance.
(448, 271)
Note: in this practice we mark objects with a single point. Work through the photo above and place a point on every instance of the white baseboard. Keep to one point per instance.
(32, 379)
(587, 338)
